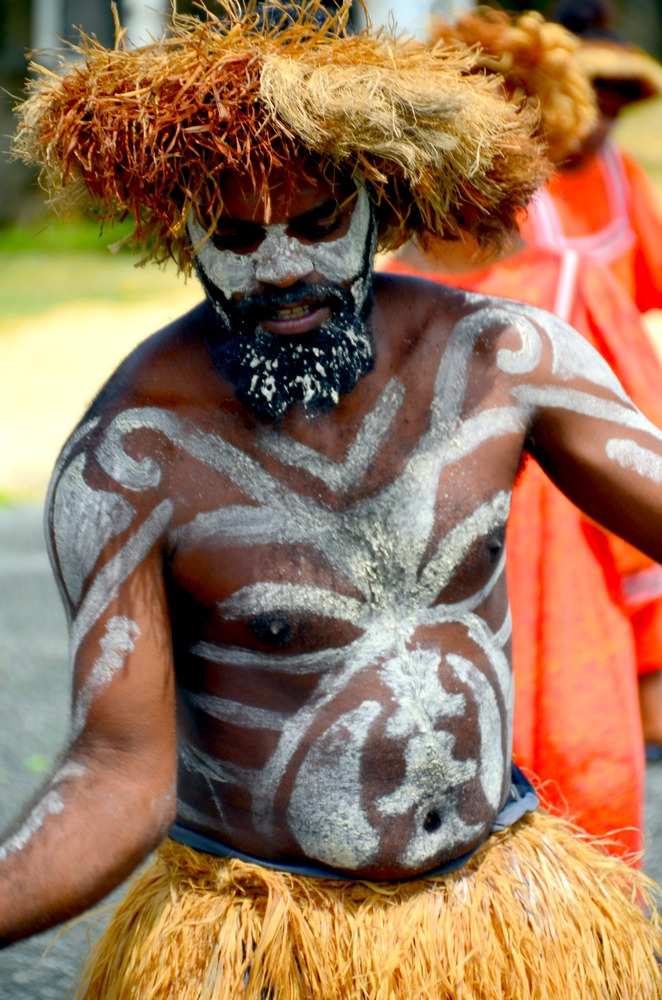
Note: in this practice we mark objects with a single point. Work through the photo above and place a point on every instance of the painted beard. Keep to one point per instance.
(270, 373)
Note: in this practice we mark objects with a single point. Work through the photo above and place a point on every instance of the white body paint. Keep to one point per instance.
(391, 563)
(108, 580)
(377, 545)
(51, 804)
(280, 256)
(117, 643)
(84, 520)
(631, 456)
(335, 826)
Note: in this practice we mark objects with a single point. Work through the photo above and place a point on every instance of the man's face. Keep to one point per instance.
(291, 290)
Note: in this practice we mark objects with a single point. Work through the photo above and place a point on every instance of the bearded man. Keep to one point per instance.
(279, 534)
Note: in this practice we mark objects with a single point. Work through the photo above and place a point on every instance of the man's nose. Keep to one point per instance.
(282, 260)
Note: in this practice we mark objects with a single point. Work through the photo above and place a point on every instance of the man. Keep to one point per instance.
(279, 533)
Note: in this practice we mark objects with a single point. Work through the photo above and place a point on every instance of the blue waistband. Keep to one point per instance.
(521, 799)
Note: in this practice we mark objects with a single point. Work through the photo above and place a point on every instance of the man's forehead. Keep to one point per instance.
(279, 197)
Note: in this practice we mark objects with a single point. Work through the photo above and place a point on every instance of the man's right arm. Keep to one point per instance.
(113, 796)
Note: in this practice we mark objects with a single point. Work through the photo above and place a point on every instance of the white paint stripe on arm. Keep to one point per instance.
(111, 577)
(587, 405)
(116, 644)
(51, 804)
(630, 455)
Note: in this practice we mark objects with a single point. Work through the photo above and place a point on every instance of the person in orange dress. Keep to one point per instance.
(604, 205)
(586, 609)
(601, 202)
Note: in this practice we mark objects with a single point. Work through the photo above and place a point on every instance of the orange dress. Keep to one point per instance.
(585, 604)
(609, 210)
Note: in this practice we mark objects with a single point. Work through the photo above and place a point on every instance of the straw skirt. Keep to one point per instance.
(539, 912)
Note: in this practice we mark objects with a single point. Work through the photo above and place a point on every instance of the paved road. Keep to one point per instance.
(34, 709)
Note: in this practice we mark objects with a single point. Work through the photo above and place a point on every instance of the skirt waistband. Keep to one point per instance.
(522, 798)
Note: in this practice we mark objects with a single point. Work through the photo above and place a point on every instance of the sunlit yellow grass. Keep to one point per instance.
(53, 363)
(639, 129)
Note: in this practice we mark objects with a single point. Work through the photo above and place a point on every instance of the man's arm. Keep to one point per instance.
(593, 442)
(113, 796)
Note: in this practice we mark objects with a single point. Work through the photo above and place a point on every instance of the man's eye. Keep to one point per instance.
(240, 239)
(316, 229)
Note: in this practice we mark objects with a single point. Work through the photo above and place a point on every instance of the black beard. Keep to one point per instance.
(271, 372)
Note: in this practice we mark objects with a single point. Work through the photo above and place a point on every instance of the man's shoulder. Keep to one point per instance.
(416, 311)
(169, 373)
(408, 289)
(168, 368)
(443, 312)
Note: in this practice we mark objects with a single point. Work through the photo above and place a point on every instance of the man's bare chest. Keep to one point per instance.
(397, 521)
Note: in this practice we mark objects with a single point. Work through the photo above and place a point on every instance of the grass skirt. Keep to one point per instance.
(539, 912)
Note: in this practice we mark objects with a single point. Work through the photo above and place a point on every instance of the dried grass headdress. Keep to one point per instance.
(538, 60)
(147, 131)
(606, 60)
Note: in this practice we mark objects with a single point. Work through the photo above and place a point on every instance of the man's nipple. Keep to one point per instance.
(271, 630)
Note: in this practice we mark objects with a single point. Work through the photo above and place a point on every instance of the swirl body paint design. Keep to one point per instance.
(418, 662)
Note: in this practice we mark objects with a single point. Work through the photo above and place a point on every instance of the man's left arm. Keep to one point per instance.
(592, 441)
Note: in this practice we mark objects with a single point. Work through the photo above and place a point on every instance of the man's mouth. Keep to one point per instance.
(291, 312)
(297, 318)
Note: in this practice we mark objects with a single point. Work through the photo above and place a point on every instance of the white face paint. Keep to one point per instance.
(280, 256)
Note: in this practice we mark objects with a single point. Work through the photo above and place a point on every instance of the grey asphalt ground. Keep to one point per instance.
(34, 712)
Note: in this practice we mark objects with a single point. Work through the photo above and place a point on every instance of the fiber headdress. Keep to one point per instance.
(147, 131)
(607, 60)
(604, 53)
(539, 61)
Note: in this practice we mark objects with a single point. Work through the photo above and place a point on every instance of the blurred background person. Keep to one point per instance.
(601, 202)
(583, 626)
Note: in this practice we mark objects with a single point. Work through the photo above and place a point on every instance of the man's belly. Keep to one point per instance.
(380, 758)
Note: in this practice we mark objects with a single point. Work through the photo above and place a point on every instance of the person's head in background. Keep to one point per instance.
(537, 63)
(534, 62)
(621, 73)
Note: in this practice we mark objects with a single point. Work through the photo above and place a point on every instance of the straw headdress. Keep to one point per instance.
(605, 55)
(146, 132)
(610, 61)
(539, 61)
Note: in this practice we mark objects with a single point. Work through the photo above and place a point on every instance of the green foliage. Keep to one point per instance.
(57, 236)
(54, 263)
